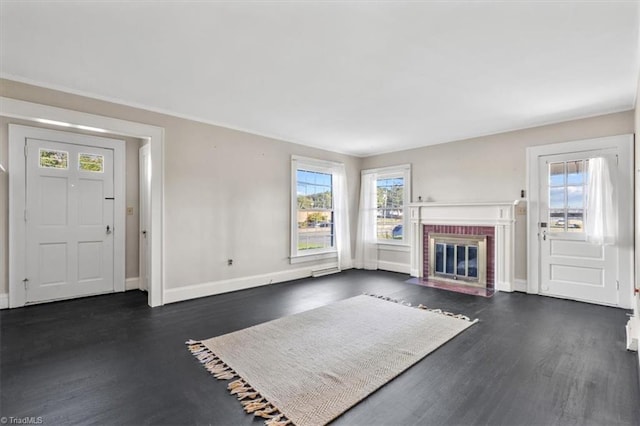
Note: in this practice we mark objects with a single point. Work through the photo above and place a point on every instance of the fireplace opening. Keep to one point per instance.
(458, 258)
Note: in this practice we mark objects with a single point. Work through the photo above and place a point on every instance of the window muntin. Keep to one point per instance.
(91, 162)
(390, 196)
(53, 159)
(315, 214)
(567, 193)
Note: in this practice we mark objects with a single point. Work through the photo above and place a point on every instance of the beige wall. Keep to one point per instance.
(227, 192)
(132, 221)
(492, 168)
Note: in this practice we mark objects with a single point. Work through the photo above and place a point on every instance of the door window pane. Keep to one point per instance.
(556, 174)
(567, 181)
(575, 172)
(52, 159)
(91, 162)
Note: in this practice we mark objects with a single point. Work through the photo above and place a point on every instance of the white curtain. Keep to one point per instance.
(601, 221)
(341, 213)
(366, 241)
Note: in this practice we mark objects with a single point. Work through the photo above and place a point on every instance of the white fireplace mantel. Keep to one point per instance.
(500, 215)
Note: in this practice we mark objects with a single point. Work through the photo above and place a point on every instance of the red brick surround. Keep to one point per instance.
(488, 231)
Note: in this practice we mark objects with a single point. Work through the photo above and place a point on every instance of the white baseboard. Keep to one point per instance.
(520, 285)
(394, 267)
(4, 300)
(132, 284)
(195, 291)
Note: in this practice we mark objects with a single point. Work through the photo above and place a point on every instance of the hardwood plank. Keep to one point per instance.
(112, 360)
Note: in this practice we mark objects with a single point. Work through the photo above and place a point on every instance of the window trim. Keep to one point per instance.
(403, 171)
(312, 165)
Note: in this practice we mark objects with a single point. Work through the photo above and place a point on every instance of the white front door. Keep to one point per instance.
(570, 266)
(69, 220)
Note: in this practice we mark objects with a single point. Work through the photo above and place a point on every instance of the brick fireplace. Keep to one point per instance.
(464, 228)
(485, 234)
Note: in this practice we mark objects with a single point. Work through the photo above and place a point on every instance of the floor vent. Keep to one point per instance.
(326, 271)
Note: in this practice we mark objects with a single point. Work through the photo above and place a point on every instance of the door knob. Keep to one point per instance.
(144, 233)
(108, 229)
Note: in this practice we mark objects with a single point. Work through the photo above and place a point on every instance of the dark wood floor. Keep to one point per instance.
(111, 360)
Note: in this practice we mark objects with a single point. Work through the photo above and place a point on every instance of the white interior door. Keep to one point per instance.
(69, 220)
(570, 266)
(145, 203)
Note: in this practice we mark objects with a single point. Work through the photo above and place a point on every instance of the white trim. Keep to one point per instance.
(18, 134)
(403, 268)
(322, 164)
(632, 334)
(132, 284)
(389, 170)
(404, 248)
(13, 108)
(194, 291)
(466, 204)
(313, 257)
(520, 285)
(4, 301)
(624, 145)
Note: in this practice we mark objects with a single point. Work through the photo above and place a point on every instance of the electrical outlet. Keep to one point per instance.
(229, 262)
(129, 211)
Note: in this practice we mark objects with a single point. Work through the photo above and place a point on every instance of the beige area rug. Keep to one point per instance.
(308, 368)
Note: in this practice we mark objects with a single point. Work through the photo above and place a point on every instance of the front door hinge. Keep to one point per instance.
(25, 150)
(617, 285)
(25, 215)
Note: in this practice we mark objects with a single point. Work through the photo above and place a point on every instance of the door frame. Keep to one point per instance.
(144, 192)
(625, 146)
(18, 134)
(38, 113)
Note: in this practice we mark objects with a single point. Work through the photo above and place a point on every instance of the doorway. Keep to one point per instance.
(14, 108)
(71, 189)
(563, 262)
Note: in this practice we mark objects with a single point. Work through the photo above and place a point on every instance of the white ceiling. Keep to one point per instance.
(353, 77)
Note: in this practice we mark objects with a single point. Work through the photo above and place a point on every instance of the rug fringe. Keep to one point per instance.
(251, 400)
(423, 307)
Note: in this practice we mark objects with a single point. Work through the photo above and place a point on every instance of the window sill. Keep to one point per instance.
(311, 257)
(389, 246)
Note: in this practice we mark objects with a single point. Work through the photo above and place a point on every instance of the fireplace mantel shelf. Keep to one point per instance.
(464, 203)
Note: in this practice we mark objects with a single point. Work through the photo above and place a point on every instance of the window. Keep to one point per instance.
(567, 192)
(91, 162)
(313, 209)
(392, 192)
(390, 208)
(52, 159)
